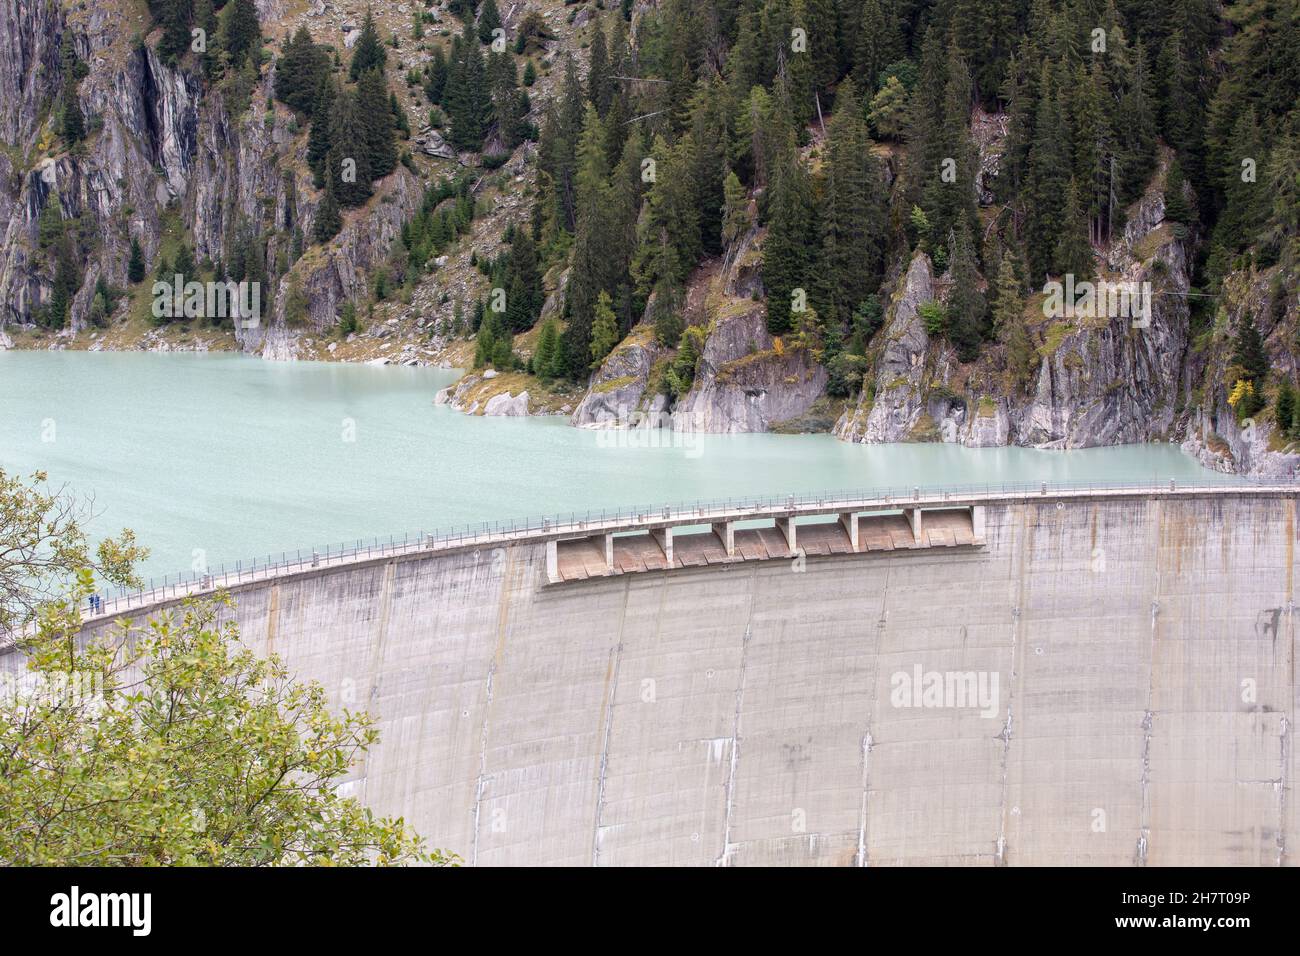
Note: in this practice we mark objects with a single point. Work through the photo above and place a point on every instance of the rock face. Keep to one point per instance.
(161, 140)
(141, 119)
(897, 404)
(507, 406)
(1213, 433)
(1103, 379)
(745, 383)
(618, 395)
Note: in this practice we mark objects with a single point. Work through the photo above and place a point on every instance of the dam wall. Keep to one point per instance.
(1103, 681)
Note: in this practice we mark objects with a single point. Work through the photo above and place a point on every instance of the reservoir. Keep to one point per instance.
(223, 457)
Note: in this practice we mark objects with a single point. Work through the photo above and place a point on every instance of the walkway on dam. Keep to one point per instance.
(661, 521)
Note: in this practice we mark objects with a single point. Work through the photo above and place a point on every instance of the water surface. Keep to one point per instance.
(225, 457)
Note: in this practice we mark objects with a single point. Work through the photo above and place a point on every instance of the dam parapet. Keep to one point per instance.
(785, 513)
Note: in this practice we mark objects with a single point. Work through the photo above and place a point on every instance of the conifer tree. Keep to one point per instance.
(241, 31)
(369, 53)
(318, 139)
(967, 307)
(489, 19)
(1073, 254)
(599, 90)
(175, 17)
(328, 218)
(545, 357)
(1249, 354)
(435, 76)
(604, 330)
(791, 237)
(852, 214)
(735, 212)
(73, 122)
(670, 236)
(1009, 323)
(592, 270)
(465, 97)
(135, 264)
(65, 284)
(299, 72)
(348, 163)
(377, 118)
(1177, 208)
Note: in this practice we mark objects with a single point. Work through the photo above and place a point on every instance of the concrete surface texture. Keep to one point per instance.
(1101, 682)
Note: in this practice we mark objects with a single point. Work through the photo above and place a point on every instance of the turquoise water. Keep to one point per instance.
(224, 457)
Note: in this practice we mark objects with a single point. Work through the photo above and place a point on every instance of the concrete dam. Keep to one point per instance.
(1043, 676)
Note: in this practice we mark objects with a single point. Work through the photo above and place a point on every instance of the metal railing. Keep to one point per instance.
(185, 584)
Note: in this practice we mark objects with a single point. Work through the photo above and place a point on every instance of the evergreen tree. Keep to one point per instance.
(670, 233)
(49, 224)
(489, 19)
(205, 18)
(1249, 353)
(1285, 408)
(604, 330)
(435, 76)
(1282, 224)
(599, 89)
(852, 214)
(593, 270)
(1244, 205)
(241, 31)
(369, 53)
(328, 218)
(1073, 254)
(736, 220)
(1048, 180)
(967, 309)
(135, 264)
(465, 97)
(1177, 208)
(185, 262)
(348, 163)
(66, 282)
(73, 123)
(175, 18)
(318, 139)
(546, 358)
(787, 251)
(1009, 324)
(300, 71)
(377, 119)
(710, 116)
(1138, 147)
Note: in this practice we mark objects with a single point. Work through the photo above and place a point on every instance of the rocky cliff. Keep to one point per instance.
(168, 154)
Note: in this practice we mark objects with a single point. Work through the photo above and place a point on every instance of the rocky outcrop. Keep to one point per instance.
(1214, 433)
(1103, 378)
(619, 394)
(746, 381)
(141, 122)
(507, 405)
(989, 131)
(160, 138)
(30, 68)
(890, 409)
